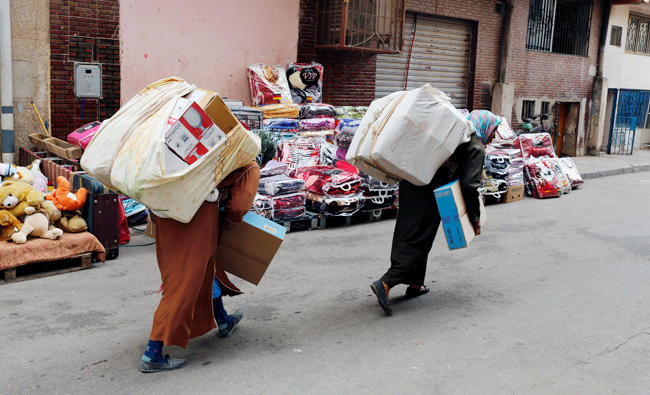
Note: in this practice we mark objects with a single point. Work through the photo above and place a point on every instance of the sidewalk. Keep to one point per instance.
(610, 165)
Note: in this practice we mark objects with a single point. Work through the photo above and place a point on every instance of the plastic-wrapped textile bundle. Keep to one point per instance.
(379, 201)
(129, 152)
(280, 110)
(327, 154)
(328, 180)
(372, 184)
(493, 186)
(496, 166)
(504, 132)
(537, 145)
(317, 110)
(284, 214)
(268, 84)
(563, 180)
(313, 124)
(262, 206)
(287, 201)
(402, 128)
(287, 125)
(274, 168)
(341, 206)
(350, 112)
(305, 82)
(540, 181)
(301, 152)
(345, 131)
(516, 172)
(341, 153)
(280, 185)
(569, 168)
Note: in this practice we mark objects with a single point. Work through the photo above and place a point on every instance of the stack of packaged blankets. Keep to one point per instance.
(279, 196)
(331, 190)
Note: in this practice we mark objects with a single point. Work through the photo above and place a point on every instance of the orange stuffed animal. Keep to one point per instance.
(66, 200)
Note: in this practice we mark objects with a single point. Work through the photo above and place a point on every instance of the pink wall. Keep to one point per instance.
(209, 43)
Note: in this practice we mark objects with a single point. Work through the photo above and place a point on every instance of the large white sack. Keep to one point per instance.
(408, 135)
(136, 162)
(102, 149)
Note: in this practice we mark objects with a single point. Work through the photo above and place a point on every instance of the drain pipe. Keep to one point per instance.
(6, 84)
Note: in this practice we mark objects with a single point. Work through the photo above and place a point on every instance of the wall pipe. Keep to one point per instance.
(6, 84)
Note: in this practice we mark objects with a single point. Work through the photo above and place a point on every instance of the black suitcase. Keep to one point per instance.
(101, 212)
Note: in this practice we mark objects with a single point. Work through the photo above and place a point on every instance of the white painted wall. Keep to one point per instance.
(625, 70)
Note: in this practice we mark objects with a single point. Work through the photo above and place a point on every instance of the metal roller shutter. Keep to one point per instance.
(440, 57)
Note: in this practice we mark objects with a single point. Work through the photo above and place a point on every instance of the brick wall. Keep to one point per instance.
(83, 31)
(349, 76)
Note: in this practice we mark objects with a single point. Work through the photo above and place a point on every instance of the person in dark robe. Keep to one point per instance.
(418, 218)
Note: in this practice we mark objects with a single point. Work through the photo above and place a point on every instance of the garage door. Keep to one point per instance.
(440, 57)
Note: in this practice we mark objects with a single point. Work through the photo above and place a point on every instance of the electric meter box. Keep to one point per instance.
(88, 80)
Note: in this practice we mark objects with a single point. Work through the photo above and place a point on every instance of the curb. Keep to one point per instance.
(615, 172)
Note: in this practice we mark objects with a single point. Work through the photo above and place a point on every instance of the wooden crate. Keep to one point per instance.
(56, 146)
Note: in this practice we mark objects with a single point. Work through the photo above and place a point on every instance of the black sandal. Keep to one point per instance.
(414, 292)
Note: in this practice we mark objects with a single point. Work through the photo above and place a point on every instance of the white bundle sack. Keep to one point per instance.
(134, 163)
(407, 135)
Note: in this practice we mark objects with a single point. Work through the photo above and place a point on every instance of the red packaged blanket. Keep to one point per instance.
(329, 181)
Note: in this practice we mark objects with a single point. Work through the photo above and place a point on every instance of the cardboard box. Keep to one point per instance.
(247, 249)
(515, 193)
(453, 214)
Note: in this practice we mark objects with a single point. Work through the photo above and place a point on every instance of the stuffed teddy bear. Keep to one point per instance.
(72, 222)
(66, 200)
(39, 224)
(11, 172)
(8, 225)
(16, 196)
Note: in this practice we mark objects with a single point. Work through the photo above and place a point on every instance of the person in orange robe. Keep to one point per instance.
(186, 256)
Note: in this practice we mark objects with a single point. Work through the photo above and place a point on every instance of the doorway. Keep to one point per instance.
(566, 137)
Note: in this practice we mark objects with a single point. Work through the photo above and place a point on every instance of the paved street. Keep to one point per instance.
(552, 298)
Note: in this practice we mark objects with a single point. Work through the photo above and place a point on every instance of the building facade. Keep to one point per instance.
(627, 70)
(518, 58)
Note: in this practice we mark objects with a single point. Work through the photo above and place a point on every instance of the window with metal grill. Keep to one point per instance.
(560, 26)
(365, 25)
(527, 109)
(545, 107)
(638, 37)
(615, 36)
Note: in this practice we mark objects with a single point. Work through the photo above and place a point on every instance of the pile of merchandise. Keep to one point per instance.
(529, 160)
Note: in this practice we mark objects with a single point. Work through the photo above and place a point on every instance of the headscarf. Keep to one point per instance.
(485, 123)
(269, 146)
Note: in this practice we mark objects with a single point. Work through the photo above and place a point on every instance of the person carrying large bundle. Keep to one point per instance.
(182, 153)
(417, 138)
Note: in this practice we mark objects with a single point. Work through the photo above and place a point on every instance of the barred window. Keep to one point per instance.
(637, 35)
(560, 26)
(527, 109)
(615, 36)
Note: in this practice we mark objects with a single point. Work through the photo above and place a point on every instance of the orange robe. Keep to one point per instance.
(187, 261)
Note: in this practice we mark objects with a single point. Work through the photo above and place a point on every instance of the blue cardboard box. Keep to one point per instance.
(453, 214)
(248, 248)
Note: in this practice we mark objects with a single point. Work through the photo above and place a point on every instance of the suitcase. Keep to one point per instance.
(101, 212)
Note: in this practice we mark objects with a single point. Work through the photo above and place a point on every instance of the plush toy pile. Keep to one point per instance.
(28, 209)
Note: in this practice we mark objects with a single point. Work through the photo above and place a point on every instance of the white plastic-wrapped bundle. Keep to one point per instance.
(129, 151)
(408, 135)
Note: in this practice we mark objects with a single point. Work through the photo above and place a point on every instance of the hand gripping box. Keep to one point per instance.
(247, 249)
(453, 214)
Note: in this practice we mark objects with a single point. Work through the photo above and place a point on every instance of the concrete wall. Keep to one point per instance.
(30, 45)
(209, 43)
(625, 70)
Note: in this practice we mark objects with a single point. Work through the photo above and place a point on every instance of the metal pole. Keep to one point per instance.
(6, 84)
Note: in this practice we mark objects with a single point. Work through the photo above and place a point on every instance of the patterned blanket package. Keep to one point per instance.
(280, 185)
(279, 110)
(288, 201)
(305, 82)
(350, 112)
(317, 111)
(540, 181)
(274, 168)
(289, 213)
(324, 123)
(268, 84)
(537, 145)
(262, 206)
(569, 168)
(334, 206)
(301, 152)
(329, 181)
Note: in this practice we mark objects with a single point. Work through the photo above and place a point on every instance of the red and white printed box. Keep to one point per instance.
(191, 133)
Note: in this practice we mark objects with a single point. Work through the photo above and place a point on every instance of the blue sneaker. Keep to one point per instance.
(168, 363)
(227, 329)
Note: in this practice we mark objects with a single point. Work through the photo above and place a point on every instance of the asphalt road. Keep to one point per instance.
(554, 297)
